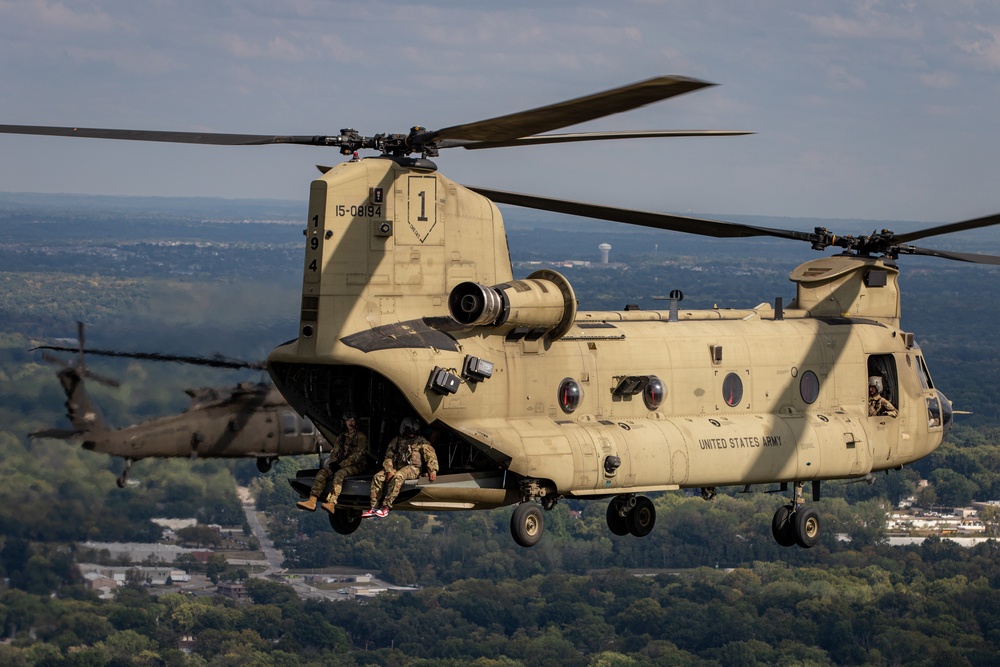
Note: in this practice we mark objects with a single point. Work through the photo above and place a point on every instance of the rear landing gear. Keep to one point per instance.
(796, 523)
(631, 515)
(264, 463)
(123, 478)
(527, 524)
(345, 521)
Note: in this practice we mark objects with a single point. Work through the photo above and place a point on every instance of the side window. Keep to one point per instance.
(882, 370)
(307, 426)
(289, 423)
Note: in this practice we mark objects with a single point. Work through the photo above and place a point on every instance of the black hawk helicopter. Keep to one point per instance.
(251, 419)
(410, 308)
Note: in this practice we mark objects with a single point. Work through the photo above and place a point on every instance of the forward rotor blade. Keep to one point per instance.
(217, 139)
(676, 223)
(975, 258)
(975, 223)
(586, 136)
(570, 112)
(214, 362)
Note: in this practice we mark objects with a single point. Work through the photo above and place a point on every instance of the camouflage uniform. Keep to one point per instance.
(348, 453)
(879, 405)
(404, 458)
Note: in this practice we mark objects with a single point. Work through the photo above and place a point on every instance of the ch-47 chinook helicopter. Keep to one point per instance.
(410, 308)
(251, 419)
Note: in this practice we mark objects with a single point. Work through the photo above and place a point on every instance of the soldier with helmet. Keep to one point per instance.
(878, 405)
(407, 455)
(346, 458)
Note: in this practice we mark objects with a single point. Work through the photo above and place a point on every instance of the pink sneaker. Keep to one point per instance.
(381, 512)
(369, 513)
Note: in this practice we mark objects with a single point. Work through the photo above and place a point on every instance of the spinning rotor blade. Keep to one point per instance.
(538, 139)
(214, 362)
(958, 256)
(217, 139)
(570, 112)
(91, 375)
(517, 129)
(676, 223)
(886, 243)
(975, 223)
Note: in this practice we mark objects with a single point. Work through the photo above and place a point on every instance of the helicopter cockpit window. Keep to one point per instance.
(934, 412)
(570, 395)
(809, 387)
(925, 377)
(289, 423)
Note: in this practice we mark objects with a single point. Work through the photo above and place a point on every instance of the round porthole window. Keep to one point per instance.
(809, 387)
(654, 392)
(732, 390)
(570, 395)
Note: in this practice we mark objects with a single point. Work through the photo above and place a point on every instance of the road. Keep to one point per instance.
(272, 555)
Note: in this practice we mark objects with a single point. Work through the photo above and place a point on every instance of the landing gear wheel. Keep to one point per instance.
(783, 527)
(642, 518)
(264, 464)
(527, 524)
(123, 478)
(807, 526)
(617, 523)
(345, 521)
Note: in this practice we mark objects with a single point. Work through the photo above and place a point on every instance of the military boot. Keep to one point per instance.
(309, 504)
(329, 507)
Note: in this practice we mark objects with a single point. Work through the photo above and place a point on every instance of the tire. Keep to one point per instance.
(642, 518)
(783, 527)
(617, 524)
(807, 527)
(264, 464)
(345, 521)
(527, 524)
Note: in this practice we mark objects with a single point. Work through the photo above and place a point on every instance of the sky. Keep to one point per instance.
(862, 109)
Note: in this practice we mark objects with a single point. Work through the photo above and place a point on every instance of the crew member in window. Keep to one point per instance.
(878, 405)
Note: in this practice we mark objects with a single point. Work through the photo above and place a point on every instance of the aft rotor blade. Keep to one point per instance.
(217, 139)
(570, 112)
(214, 362)
(587, 136)
(676, 223)
(975, 223)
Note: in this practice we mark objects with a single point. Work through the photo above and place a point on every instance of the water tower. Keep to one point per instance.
(605, 248)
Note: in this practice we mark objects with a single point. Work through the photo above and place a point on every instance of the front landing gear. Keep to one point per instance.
(796, 523)
(631, 515)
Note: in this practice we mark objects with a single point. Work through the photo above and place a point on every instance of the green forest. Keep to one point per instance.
(709, 586)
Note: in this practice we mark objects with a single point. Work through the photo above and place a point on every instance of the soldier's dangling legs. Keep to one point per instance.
(320, 482)
(396, 483)
(338, 481)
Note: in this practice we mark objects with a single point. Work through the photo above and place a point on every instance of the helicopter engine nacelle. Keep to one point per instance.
(541, 305)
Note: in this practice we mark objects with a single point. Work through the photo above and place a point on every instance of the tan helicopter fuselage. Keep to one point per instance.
(407, 277)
